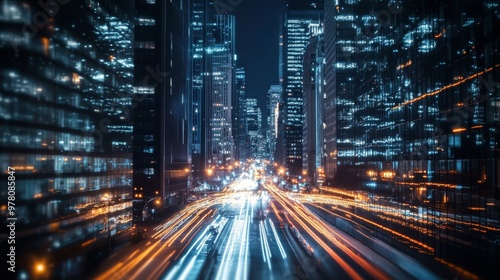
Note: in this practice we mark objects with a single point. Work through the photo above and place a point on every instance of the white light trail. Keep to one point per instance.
(280, 246)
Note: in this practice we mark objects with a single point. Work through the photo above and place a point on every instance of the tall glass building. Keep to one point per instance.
(239, 110)
(302, 21)
(162, 163)
(66, 80)
(220, 89)
(201, 17)
(274, 95)
(313, 97)
(417, 118)
(254, 126)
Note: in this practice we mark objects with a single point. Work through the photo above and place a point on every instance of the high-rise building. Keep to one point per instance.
(416, 102)
(161, 119)
(348, 23)
(303, 20)
(220, 89)
(274, 95)
(201, 17)
(241, 130)
(313, 96)
(66, 95)
(281, 65)
(330, 109)
(254, 124)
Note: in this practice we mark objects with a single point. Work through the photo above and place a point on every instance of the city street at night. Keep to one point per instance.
(250, 139)
(245, 237)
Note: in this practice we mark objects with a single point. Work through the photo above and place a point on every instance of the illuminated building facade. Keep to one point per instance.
(416, 115)
(241, 151)
(66, 129)
(302, 21)
(220, 89)
(254, 125)
(161, 119)
(330, 91)
(201, 14)
(274, 95)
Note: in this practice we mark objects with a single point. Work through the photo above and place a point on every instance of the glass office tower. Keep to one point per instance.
(201, 17)
(66, 84)
(220, 89)
(313, 97)
(162, 163)
(302, 21)
(437, 143)
(274, 95)
(417, 118)
(241, 130)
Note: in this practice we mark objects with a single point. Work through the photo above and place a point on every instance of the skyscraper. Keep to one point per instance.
(418, 122)
(330, 108)
(254, 124)
(66, 95)
(161, 120)
(220, 89)
(313, 129)
(201, 18)
(241, 129)
(274, 95)
(303, 20)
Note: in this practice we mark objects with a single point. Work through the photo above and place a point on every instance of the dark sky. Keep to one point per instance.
(257, 33)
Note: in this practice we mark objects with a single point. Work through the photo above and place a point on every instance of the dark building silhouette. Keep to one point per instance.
(313, 111)
(66, 132)
(162, 163)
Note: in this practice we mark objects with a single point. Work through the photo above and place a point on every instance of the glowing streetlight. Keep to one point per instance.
(157, 203)
(39, 267)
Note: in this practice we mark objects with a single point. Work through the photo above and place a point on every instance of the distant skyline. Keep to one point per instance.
(257, 33)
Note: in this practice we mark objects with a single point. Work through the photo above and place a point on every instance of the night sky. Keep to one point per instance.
(257, 34)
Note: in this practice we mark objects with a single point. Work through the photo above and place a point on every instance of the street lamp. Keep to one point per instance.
(143, 208)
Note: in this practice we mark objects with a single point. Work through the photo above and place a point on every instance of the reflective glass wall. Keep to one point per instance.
(65, 85)
(423, 120)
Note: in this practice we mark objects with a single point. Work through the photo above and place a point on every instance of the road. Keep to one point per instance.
(250, 234)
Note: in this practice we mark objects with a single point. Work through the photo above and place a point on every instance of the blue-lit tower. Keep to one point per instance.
(303, 20)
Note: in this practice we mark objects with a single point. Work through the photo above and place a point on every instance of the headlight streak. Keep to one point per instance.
(283, 201)
(264, 256)
(265, 245)
(199, 245)
(280, 246)
(242, 268)
(224, 264)
(239, 231)
(335, 239)
(195, 226)
(141, 261)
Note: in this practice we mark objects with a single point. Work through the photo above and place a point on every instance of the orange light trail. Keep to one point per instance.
(326, 233)
(432, 93)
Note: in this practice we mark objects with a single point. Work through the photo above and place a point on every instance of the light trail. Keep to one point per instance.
(239, 232)
(280, 246)
(241, 270)
(166, 234)
(266, 252)
(345, 266)
(226, 256)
